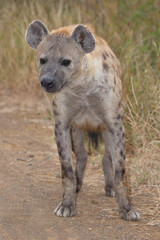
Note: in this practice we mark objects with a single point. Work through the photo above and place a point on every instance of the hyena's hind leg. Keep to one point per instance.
(81, 155)
(114, 137)
(108, 171)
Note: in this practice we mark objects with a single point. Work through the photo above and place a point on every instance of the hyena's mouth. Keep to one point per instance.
(53, 88)
(63, 85)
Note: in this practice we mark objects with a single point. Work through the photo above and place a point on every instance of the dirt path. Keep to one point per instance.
(30, 186)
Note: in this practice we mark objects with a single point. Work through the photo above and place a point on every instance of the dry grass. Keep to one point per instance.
(132, 29)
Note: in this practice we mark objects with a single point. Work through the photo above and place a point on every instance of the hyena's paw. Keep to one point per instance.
(63, 210)
(110, 192)
(132, 215)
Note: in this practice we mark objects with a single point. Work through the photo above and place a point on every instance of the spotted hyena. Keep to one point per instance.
(84, 76)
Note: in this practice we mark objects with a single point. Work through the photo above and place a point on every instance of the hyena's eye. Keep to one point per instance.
(66, 62)
(43, 60)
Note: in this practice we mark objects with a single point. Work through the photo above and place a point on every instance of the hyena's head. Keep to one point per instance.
(59, 56)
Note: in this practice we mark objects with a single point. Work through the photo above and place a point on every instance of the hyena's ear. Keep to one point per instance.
(84, 37)
(35, 33)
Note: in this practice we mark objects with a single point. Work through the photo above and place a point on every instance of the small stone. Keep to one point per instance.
(90, 229)
(21, 159)
(58, 176)
(94, 201)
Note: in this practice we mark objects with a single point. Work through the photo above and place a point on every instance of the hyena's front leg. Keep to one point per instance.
(115, 140)
(81, 155)
(67, 207)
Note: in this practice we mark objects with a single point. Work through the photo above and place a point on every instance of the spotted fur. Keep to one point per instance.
(84, 76)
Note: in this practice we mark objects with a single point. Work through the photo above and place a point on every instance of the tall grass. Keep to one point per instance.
(132, 29)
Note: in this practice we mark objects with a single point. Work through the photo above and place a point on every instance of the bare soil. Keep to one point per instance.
(30, 185)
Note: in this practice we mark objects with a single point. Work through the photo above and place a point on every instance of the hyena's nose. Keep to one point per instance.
(47, 82)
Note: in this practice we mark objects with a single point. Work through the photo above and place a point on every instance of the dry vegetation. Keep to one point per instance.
(132, 29)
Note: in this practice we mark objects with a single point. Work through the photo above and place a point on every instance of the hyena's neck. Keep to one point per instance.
(90, 76)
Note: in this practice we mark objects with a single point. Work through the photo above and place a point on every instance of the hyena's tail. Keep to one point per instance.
(95, 138)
